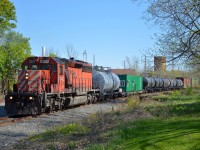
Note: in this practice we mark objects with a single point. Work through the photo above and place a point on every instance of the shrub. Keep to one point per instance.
(188, 91)
(133, 102)
(175, 93)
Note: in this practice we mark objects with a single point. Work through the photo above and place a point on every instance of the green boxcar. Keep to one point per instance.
(130, 83)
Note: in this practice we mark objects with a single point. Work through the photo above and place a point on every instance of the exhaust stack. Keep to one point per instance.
(43, 51)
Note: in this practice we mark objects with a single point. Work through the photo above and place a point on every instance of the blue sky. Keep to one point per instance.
(108, 29)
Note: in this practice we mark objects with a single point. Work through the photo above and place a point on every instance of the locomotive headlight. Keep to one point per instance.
(11, 97)
(26, 76)
(30, 98)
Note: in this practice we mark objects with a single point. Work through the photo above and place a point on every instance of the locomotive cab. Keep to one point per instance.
(38, 77)
(47, 83)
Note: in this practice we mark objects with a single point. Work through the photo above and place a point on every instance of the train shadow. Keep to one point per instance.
(2, 111)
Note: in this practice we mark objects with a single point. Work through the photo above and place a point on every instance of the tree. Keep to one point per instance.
(179, 22)
(132, 62)
(71, 51)
(14, 49)
(7, 16)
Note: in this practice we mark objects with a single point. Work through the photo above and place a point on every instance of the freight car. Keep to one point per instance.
(105, 82)
(131, 84)
(186, 81)
(138, 84)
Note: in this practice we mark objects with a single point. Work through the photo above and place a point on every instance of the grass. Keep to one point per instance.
(173, 133)
(70, 129)
(153, 134)
(174, 124)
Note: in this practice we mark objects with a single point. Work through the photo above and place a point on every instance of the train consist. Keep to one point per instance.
(50, 83)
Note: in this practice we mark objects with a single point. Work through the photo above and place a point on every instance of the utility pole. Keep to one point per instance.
(172, 61)
(85, 56)
(145, 63)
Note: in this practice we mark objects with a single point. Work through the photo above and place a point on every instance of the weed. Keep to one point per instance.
(72, 129)
(65, 130)
(188, 91)
(72, 144)
(50, 147)
(175, 93)
(96, 147)
(133, 102)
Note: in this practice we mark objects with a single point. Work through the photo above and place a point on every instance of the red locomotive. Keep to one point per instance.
(47, 83)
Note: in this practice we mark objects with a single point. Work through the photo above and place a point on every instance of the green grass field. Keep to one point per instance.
(175, 126)
(155, 134)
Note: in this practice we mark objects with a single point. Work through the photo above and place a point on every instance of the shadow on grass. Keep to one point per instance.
(161, 134)
(188, 109)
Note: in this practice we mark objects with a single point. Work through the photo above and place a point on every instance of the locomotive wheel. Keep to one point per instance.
(52, 104)
(89, 99)
(94, 99)
(47, 109)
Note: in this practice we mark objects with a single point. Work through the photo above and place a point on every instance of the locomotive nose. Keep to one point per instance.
(20, 105)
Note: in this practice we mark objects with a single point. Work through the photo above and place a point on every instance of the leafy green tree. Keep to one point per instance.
(14, 49)
(7, 16)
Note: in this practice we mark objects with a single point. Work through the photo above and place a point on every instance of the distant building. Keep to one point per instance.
(124, 71)
(159, 63)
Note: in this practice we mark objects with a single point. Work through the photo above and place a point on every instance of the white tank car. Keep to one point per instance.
(104, 80)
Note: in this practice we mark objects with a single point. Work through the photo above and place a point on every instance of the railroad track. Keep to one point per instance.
(6, 120)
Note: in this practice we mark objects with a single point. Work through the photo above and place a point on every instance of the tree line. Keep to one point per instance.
(14, 47)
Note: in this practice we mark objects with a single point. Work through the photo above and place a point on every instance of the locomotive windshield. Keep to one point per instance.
(44, 66)
(34, 67)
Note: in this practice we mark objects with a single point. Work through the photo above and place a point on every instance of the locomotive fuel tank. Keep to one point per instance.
(148, 82)
(105, 81)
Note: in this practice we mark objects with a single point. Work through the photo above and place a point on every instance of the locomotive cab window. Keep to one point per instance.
(44, 66)
(34, 67)
(54, 67)
(61, 70)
